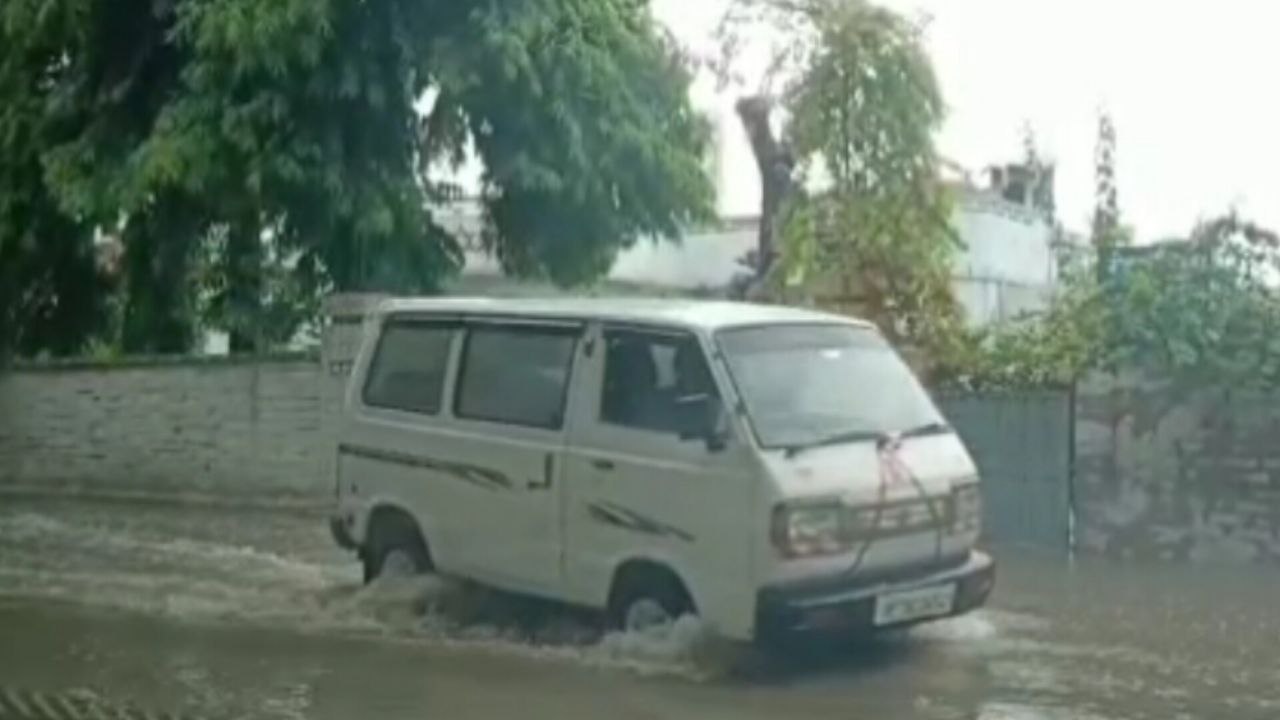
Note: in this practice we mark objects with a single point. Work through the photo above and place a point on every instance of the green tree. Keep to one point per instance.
(861, 103)
(1052, 349)
(1107, 234)
(254, 154)
(52, 294)
(1203, 309)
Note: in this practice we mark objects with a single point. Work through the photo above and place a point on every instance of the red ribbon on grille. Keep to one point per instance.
(893, 470)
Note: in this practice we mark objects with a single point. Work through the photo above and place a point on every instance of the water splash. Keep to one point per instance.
(197, 580)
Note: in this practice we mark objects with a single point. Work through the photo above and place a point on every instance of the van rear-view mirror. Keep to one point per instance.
(702, 418)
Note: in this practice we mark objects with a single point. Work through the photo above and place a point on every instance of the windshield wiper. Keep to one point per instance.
(848, 436)
(852, 436)
(933, 428)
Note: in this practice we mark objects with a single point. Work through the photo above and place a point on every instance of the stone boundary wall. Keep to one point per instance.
(211, 429)
(1172, 472)
(260, 427)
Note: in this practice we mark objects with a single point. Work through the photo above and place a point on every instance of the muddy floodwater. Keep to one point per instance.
(223, 613)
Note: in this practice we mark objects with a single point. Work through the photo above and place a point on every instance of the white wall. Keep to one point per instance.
(1004, 242)
(703, 259)
(1007, 267)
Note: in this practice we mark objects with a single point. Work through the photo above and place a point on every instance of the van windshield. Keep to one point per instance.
(806, 385)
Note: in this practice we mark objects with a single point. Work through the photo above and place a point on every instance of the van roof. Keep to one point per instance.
(706, 314)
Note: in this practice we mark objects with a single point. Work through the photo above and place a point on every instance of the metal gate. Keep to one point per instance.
(1022, 443)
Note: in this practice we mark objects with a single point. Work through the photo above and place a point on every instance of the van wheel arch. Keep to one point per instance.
(638, 578)
(392, 528)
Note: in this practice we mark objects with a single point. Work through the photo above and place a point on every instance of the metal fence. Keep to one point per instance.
(1022, 443)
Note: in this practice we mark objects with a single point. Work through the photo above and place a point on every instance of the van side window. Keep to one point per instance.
(646, 376)
(517, 375)
(409, 366)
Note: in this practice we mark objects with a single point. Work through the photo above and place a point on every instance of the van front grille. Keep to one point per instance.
(896, 519)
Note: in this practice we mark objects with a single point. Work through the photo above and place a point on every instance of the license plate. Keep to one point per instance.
(899, 607)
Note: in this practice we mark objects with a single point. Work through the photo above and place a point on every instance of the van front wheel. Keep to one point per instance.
(650, 602)
(396, 549)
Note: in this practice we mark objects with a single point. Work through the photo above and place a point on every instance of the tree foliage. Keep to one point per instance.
(872, 233)
(51, 292)
(1052, 349)
(1203, 309)
(254, 154)
(1106, 233)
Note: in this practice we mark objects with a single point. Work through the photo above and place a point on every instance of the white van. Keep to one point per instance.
(772, 470)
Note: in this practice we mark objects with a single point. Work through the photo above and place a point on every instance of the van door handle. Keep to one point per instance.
(548, 471)
(602, 464)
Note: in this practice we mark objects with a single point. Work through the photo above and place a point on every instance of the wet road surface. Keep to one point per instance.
(220, 613)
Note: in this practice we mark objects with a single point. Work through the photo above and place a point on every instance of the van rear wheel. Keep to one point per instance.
(395, 549)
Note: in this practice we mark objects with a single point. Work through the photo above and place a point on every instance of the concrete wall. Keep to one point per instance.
(260, 428)
(1178, 473)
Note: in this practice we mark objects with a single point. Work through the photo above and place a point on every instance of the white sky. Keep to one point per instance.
(1193, 87)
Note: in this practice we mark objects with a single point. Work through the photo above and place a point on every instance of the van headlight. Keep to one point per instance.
(966, 498)
(809, 530)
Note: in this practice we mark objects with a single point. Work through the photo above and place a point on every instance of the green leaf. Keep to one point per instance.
(295, 121)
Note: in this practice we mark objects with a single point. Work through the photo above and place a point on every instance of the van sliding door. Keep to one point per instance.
(513, 387)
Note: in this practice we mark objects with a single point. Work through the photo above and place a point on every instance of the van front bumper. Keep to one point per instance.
(846, 604)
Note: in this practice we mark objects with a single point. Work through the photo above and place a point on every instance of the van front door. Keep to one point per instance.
(641, 487)
(512, 391)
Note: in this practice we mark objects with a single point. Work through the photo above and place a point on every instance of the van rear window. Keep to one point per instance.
(409, 367)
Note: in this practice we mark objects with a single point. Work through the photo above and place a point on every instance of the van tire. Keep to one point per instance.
(394, 540)
(641, 592)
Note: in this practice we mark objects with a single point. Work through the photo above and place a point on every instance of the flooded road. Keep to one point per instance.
(227, 613)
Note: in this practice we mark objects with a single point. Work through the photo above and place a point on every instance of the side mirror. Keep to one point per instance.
(702, 418)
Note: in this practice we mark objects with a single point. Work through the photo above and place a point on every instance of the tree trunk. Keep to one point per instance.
(159, 315)
(777, 166)
(244, 286)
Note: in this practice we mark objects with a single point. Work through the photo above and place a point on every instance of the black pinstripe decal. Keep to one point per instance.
(474, 474)
(627, 519)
